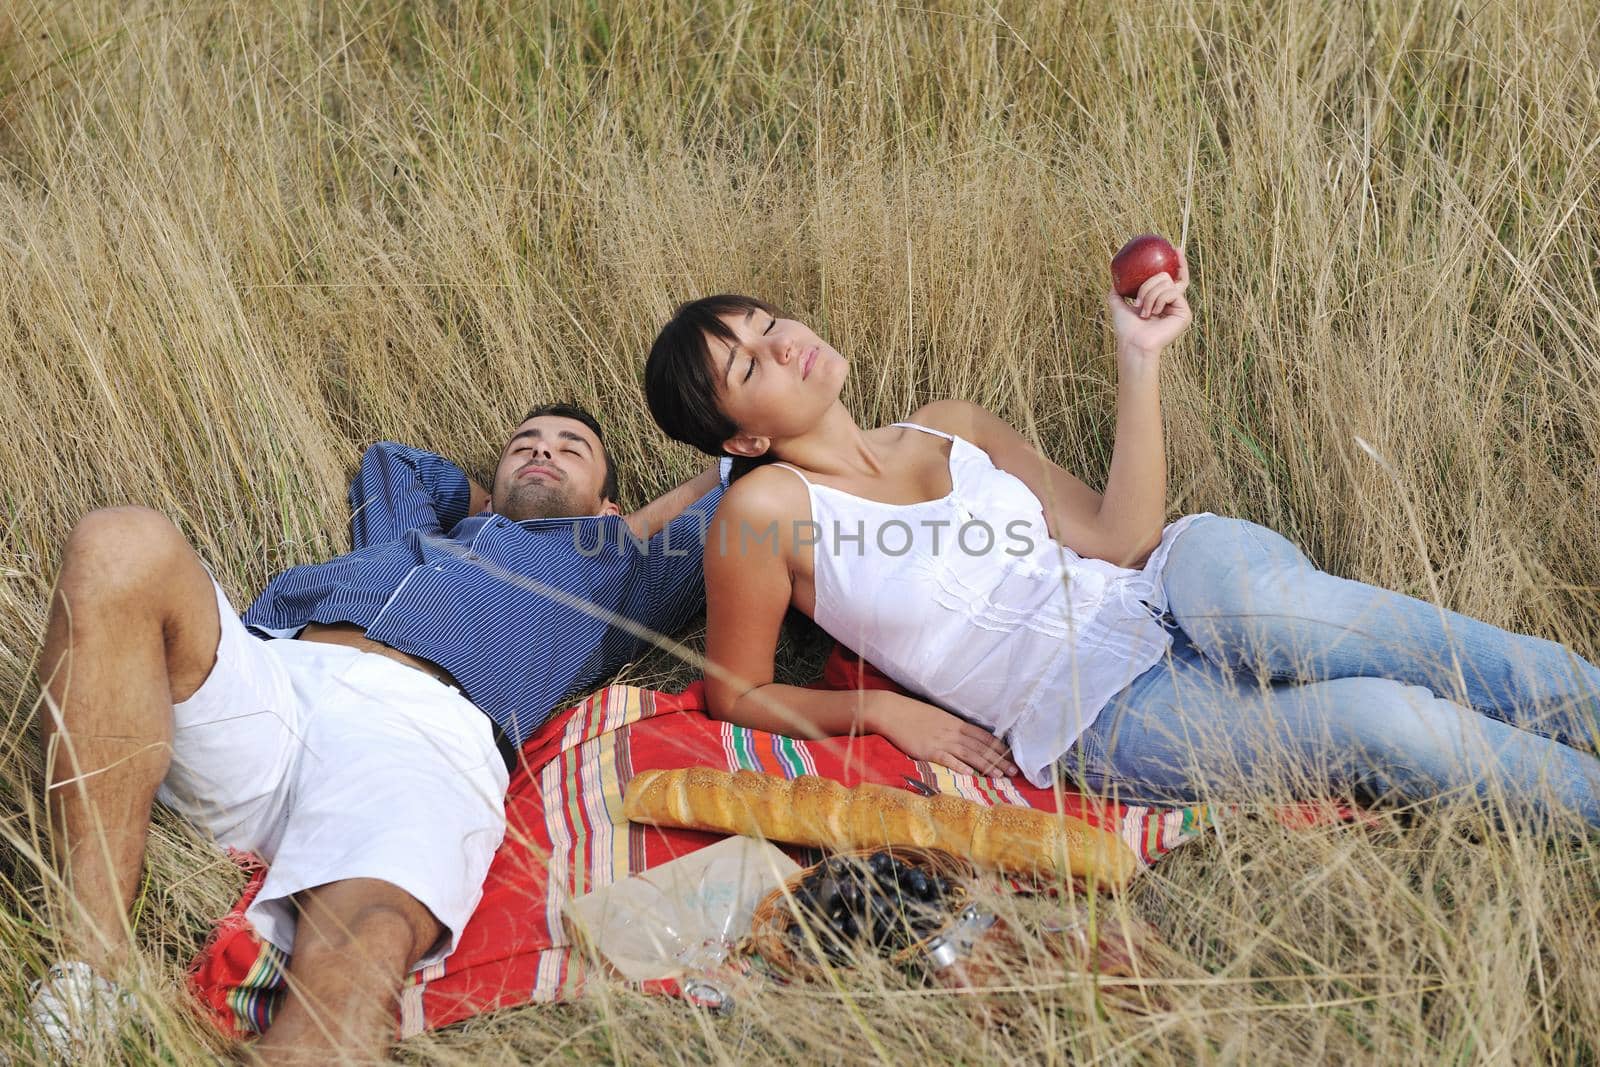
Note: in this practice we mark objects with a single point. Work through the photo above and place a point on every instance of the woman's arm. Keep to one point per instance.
(749, 587)
(748, 590)
(921, 730)
(1134, 507)
(1124, 523)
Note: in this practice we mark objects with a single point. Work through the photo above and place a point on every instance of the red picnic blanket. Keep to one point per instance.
(566, 835)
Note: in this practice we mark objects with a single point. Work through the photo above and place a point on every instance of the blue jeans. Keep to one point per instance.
(1288, 677)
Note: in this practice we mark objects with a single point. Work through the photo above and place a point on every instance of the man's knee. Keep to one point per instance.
(372, 932)
(116, 552)
(364, 920)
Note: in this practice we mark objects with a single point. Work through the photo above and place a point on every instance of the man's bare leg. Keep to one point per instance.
(133, 629)
(355, 942)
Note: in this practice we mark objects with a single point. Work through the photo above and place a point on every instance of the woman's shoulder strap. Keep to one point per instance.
(793, 469)
(927, 429)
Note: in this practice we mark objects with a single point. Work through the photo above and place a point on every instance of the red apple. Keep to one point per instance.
(1140, 260)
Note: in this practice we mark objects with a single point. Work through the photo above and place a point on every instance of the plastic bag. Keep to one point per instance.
(681, 919)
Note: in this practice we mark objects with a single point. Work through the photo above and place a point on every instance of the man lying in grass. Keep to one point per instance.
(355, 727)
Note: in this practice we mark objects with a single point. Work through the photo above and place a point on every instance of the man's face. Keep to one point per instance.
(552, 467)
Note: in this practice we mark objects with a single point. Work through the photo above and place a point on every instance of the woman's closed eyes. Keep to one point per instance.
(752, 368)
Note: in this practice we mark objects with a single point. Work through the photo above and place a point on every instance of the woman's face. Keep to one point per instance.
(777, 378)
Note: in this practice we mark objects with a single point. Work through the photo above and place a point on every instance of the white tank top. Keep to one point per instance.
(969, 602)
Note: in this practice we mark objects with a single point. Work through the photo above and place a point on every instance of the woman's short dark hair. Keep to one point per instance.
(679, 384)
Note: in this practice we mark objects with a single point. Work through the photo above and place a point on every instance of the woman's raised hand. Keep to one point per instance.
(925, 732)
(1157, 314)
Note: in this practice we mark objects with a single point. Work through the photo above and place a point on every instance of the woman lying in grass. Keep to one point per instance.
(1051, 629)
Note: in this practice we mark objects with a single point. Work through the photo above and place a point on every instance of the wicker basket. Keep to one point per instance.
(774, 917)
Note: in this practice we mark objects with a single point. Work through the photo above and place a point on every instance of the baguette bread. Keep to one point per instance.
(816, 811)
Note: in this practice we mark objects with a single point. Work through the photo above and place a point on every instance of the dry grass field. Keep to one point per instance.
(239, 240)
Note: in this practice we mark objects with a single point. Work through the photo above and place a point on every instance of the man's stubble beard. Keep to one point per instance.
(535, 500)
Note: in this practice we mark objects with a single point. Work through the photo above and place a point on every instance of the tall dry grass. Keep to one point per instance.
(241, 240)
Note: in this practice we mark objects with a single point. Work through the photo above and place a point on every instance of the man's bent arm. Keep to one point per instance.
(654, 516)
(399, 489)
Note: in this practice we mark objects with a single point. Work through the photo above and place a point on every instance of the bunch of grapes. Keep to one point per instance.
(883, 902)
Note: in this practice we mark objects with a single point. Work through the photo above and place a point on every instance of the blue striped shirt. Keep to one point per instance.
(519, 613)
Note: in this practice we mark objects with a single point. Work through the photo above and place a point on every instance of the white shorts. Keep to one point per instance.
(332, 763)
